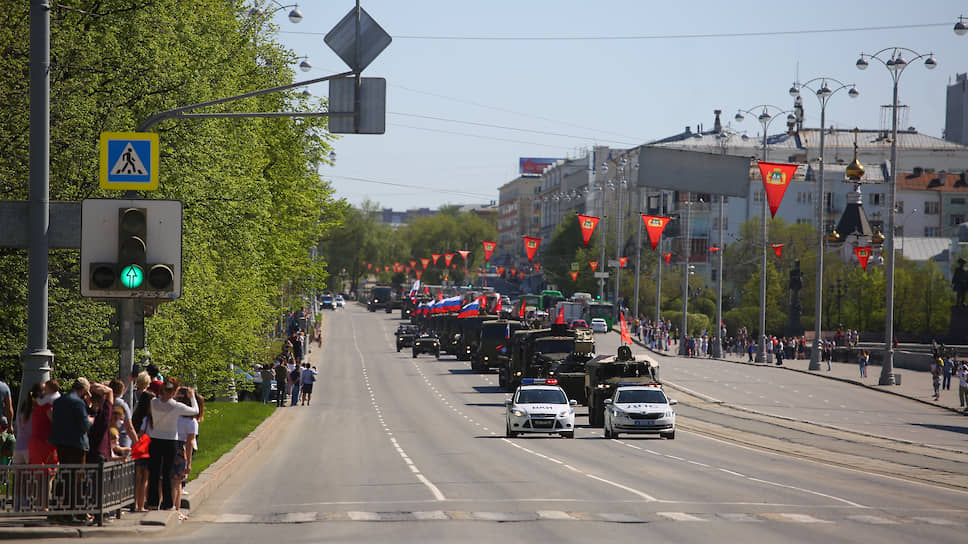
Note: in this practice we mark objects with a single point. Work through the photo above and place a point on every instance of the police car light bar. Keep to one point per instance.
(651, 384)
(539, 381)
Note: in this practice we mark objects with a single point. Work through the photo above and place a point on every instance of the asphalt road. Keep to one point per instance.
(397, 449)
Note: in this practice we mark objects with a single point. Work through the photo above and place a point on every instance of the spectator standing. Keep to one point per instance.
(6, 402)
(267, 376)
(126, 431)
(936, 367)
(40, 450)
(946, 372)
(165, 411)
(282, 374)
(7, 442)
(142, 421)
(70, 424)
(963, 385)
(295, 376)
(862, 359)
(307, 380)
(186, 445)
(23, 425)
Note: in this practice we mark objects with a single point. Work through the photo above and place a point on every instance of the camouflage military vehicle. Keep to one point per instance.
(536, 353)
(570, 370)
(494, 343)
(470, 335)
(426, 343)
(605, 372)
(405, 335)
(380, 298)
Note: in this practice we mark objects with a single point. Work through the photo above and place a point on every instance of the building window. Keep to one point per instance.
(931, 208)
(932, 232)
(957, 200)
(876, 199)
(957, 219)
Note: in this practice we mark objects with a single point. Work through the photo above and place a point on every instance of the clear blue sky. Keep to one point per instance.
(448, 75)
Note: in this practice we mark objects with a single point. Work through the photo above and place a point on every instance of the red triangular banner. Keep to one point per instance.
(425, 262)
(500, 271)
(464, 253)
(863, 254)
(369, 266)
(537, 267)
(447, 258)
(594, 265)
(626, 337)
(622, 261)
(654, 225)
(531, 246)
(514, 271)
(778, 249)
(667, 256)
(413, 264)
(574, 275)
(488, 250)
(713, 249)
(419, 273)
(521, 274)
(435, 256)
(776, 179)
(587, 224)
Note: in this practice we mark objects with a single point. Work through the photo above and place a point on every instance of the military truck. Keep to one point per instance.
(469, 335)
(380, 298)
(570, 370)
(605, 372)
(494, 343)
(535, 353)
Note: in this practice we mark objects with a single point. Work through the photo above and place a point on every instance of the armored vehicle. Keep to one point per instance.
(535, 353)
(379, 298)
(470, 335)
(605, 372)
(405, 336)
(570, 370)
(426, 343)
(495, 343)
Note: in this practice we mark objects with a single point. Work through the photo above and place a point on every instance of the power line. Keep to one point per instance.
(476, 136)
(655, 36)
(419, 187)
(502, 127)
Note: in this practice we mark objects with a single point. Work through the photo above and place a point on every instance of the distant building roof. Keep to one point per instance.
(919, 248)
(932, 181)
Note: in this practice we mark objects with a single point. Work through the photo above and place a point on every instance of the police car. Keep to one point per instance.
(540, 406)
(640, 409)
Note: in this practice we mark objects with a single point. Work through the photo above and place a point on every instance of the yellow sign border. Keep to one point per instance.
(152, 184)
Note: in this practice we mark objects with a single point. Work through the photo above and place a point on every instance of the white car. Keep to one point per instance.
(640, 409)
(339, 301)
(599, 325)
(540, 406)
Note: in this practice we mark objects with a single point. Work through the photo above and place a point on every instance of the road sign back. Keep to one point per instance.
(129, 161)
(343, 40)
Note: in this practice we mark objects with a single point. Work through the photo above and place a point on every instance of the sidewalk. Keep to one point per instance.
(915, 385)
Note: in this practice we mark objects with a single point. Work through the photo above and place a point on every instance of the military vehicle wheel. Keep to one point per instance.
(508, 432)
(415, 354)
(502, 382)
(595, 417)
(669, 436)
(398, 348)
(437, 354)
(569, 434)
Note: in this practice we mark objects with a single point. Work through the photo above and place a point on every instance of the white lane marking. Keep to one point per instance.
(299, 517)
(645, 496)
(810, 491)
(875, 520)
(679, 516)
(935, 521)
(234, 518)
(733, 473)
(555, 515)
(799, 518)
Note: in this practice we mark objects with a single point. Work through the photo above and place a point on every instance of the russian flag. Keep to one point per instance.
(451, 304)
(471, 310)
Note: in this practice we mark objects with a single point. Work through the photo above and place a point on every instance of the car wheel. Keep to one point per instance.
(508, 432)
(669, 436)
(437, 354)
(568, 434)
(398, 348)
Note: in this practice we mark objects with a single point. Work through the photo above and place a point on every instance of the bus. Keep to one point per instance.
(603, 310)
(549, 299)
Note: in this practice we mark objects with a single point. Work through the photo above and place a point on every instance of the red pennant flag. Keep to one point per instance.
(594, 265)
(386, 268)
(531, 246)
(464, 253)
(574, 275)
(667, 256)
(561, 315)
(409, 270)
(714, 249)
(440, 296)
(778, 248)
(413, 264)
(776, 179)
(445, 276)
(863, 254)
(622, 261)
(435, 256)
(514, 271)
(488, 250)
(425, 262)
(497, 307)
(626, 337)
(369, 266)
(500, 271)
(521, 274)
(654, 225)
(537, 267)
(587, 223)
(419, 273)
(522, 310)
(447, 258)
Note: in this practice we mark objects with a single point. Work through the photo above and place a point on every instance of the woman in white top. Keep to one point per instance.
(165, 412)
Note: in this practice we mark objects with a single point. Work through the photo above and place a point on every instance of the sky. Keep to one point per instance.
(474, 86)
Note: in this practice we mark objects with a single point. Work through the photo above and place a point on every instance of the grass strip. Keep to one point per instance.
(224, 426)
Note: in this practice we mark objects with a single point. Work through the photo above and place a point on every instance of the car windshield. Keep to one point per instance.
(541, 396)
(555, 346)
(650, 396)
(498, 332)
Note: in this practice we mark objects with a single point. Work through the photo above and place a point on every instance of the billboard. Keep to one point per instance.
(531, 166)
(694, 171)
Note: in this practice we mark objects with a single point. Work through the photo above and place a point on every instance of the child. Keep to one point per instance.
(117, 451)
(7, 442)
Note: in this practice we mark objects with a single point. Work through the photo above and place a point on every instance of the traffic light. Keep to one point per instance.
(131, 249)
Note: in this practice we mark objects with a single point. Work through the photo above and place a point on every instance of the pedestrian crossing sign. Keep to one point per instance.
(129, 161)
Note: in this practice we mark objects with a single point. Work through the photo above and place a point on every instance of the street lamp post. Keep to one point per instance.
(604, 187)
(765, 119)
(895, 65)
(621, 186)
(823, 94)
(683, 345)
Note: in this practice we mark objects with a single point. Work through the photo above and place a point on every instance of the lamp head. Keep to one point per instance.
(739, 117)
(305, 65)
(764, 117)
(930, 63)
(824, 91)
(861, 63)
(853, 92)
(295, 16)
(794, 91)
(960, 27)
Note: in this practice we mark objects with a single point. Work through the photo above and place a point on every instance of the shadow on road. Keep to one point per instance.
(949, 428)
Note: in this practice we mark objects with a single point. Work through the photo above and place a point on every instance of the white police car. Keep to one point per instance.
(640, 409)
(540, 406)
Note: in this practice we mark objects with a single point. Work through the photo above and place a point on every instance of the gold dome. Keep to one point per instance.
(877, 238)
(834, 237)
(855, 170)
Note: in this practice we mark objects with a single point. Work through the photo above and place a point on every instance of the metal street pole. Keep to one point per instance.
(823, 94)
(718, 346)
(685, 280)
(895, 66)
(638, 260)
(37, 358)
(601, 281)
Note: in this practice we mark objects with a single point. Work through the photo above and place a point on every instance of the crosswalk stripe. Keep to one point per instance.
(430, 515)
(742, 518)
(935, 521)
(794, 518)
(555, 514)
(679, 516)
(299, 517)
(876, 520)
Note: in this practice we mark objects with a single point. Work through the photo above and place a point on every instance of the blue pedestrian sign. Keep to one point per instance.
(129, 161)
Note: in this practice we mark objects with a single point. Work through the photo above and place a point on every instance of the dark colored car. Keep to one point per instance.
(328, 302)
(405, 336)
(426, 343)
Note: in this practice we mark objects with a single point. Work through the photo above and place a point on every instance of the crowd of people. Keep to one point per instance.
(292, 373)
(91, 423)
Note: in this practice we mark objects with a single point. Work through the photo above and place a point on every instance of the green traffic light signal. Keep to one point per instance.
(132, 276)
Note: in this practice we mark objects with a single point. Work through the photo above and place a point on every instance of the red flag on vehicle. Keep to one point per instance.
(498, 306)
(561, 315)
(521, 313)
(626, 337)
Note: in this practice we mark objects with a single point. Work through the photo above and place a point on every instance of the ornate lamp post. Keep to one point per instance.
(765, 119)
(823, 94)
(895, 64)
